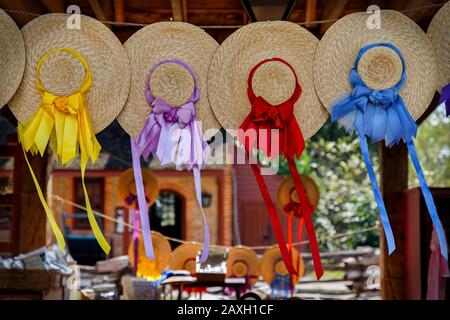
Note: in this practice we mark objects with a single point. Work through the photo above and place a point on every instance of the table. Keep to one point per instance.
(182, 282)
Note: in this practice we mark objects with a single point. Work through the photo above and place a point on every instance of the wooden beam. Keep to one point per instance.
(102, 10)
(119, 11)
(418, 14)
(178, 10)
(32, 218)
(332, 10)
(108, 9)
(54, 6)
(98, 10)
(22, 5)
(394, 183)
(310, 13)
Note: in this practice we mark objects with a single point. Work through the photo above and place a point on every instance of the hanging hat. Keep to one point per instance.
(184, 257)
(167, 113)
(274, 81)
(148, 268)
(75, 83)
(377, 82)
(170, 81)
(272, 265)
(12, 57)
(287, 197)
(243, 262)
(62, 73)
(380, 67)
(126, 188)
(261, 82)
(439, 34)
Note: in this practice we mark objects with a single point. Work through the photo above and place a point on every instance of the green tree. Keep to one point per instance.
(433, 148)
(333, 159)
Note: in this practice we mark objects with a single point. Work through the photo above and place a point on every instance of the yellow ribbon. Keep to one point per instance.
(65, 123)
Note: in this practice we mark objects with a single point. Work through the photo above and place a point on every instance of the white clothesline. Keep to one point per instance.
(133, 24)
(262, 247)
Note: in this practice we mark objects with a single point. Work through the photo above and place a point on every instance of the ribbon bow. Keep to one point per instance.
(293, 207)
(174, 136)
(265, 119)
(382, 114)
(131, 200)
(65, 123)
(445, 98)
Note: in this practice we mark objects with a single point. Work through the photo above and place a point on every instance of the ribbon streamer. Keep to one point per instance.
(65, 123)
(264, 119)
(445, 98)
(174, 136)
(135, 237)
(382, 114)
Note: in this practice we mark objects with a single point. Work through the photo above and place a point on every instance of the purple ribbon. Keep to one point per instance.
(445, 98)
(135, 214)
(174, 136)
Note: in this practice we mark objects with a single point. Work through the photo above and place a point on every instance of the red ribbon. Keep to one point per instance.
(262, 119)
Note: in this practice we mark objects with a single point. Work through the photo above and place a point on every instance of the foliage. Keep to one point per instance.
(333, 159)
(433, 148)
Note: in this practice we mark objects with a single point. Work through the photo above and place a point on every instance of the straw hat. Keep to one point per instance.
(127, 186)
(243, 262)
(62, 74)
(272, 264)
(147, 267)
(171, 82)
(183, 257)
(12, 57)
(286, 192)
(379, 67)
(240, 52)
(439, 34)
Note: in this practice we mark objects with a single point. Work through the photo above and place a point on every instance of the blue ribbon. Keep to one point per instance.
(281, 285)
(165, 275)
(382, 114)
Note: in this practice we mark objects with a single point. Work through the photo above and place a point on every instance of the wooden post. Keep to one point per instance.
(394, 182)
(31, 216)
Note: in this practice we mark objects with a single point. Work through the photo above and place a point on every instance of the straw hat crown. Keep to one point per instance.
(243, 262)
(62, 74)
(274, 81)
(127, 185)
(379, 67)
(12, 57)
(439, 34)
(170, 82)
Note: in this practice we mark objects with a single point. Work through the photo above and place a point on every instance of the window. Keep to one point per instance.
(166, 214)
(95, 189)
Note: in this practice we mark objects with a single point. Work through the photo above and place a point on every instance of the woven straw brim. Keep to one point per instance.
(340, 45)
(271, 257)
(439, 34)
(240, 52)
(162, 41)
(62, 74)
(161, 247)
(182, 254)
(251, 260)
(285, 187)
(12, 58)
(127, 185)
